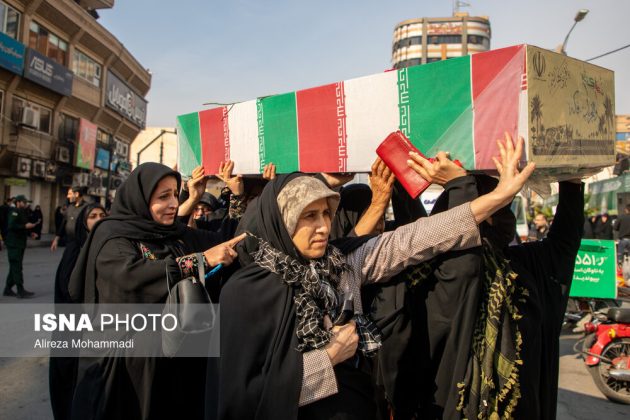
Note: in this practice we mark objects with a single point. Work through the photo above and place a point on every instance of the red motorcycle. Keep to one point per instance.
(606, 351)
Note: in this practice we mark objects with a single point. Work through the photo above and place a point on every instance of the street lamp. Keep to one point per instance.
(578, 18)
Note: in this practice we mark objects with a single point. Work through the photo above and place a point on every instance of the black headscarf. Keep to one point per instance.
(71, 254)
(131, 218)
(355, 199)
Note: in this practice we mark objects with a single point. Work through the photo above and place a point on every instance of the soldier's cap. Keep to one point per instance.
(22, 198)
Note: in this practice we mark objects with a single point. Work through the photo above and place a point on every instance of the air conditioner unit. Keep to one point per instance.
(23, 167)
(100, 192)
(30, 117)
(95, 181)
(121, 149)
(51, 172)
(39, 168)
(115, 183)
(81, 180)
(63, 154)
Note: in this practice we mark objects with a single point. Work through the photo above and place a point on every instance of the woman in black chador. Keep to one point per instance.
(63, 370)
(125, 260)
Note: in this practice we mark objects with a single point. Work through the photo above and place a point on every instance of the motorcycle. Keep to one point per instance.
(606, 352)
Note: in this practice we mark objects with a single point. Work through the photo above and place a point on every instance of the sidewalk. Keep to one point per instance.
(44, 241)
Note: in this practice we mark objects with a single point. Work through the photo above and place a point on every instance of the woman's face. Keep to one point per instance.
(312, 230)
(164, 201)
(94, 216)
(200, 210)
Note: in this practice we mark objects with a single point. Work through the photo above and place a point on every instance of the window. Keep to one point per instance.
(479, 40)
(68, 128)
(31, 115)
(414, 40)
(102, 138)
(9, 20)
(47, 43)
(445, 39)
(86, 68)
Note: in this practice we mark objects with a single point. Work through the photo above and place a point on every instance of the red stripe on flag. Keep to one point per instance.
(322, 128)
(496, 85)
(215, 146)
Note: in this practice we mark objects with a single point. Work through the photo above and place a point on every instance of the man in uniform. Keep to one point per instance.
(17, 232)
(76, 197)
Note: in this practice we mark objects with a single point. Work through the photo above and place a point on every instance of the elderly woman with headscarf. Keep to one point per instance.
(125, 260)
(281, 357)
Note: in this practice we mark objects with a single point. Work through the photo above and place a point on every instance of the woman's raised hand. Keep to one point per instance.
(197, 183)
(511, 180)
(269, 172)
(439, 171)
(381, 183)
(233, 182)
(223, 253)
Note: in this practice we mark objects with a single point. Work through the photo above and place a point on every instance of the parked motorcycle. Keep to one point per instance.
(606, 352)
(579, 311)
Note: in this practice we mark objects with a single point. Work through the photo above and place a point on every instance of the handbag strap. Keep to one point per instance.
(201, 269)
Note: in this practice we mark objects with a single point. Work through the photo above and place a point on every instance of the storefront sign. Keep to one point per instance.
(15, 182)
(125, 101)
(595, 273)
(48, 73)
(86, 145)
(11, 54)
(102, 158)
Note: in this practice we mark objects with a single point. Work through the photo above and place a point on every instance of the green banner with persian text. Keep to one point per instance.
(595, 273)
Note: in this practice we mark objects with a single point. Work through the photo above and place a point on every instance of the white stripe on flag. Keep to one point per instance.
(243, 127)
(371, 114)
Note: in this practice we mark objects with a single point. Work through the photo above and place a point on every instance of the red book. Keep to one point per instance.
(394, 151)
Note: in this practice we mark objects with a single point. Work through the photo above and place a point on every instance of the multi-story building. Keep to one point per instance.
(155, 144)
(71, 98)
(425, 40)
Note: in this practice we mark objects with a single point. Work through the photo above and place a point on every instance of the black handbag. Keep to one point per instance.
(188, 301)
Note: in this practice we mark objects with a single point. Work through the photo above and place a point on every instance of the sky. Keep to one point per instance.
(201, 51)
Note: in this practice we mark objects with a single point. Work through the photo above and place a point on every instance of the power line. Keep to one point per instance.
(609, 52)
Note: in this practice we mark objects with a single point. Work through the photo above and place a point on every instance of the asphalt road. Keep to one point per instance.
(24, 382)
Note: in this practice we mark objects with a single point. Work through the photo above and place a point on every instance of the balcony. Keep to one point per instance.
(95, 4)
(28, 142)
(86, 91)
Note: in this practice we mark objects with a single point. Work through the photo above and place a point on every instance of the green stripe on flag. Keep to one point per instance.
(189, 141)
(277, 132)
(435, 108)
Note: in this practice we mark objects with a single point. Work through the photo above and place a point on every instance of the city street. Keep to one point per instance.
(24, 382)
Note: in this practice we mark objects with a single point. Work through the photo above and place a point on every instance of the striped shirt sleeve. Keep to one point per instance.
(388, 254)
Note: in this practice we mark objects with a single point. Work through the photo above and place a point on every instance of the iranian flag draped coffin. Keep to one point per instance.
(562, 107)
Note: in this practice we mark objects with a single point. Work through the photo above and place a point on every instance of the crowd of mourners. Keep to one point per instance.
(449, 322)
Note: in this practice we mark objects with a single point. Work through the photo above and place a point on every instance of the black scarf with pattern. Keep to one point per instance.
(317, 295)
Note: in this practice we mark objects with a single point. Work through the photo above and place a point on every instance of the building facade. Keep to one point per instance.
(155, 144)
(425, 40)
(71, 98)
